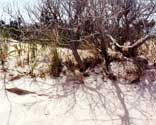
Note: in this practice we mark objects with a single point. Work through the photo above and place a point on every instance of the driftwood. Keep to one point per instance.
(19, 91)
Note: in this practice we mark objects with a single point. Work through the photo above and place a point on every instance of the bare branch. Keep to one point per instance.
(135, 45)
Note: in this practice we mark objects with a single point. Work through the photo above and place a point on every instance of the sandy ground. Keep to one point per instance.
(97, 102)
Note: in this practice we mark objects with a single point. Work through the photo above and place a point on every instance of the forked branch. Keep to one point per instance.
(135, 45)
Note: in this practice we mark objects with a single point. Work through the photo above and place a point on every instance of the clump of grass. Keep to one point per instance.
(3, 47)
(32, 52)
(70, 65)
(55, 64)
(3, 53)
(32, 68)
(32, 58)
(19, 49)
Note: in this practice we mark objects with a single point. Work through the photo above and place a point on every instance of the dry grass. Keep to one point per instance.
(148, 50)
(38, 60)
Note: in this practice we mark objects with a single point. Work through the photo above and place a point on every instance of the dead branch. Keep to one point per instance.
(135, 45)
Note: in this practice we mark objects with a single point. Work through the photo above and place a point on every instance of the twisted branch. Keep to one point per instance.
(135, 45)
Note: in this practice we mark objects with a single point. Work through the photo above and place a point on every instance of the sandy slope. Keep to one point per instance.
(98, 101)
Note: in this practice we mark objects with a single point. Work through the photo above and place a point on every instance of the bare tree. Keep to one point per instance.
(105, 23)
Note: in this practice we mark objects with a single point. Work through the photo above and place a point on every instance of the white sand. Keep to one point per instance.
(109, 104)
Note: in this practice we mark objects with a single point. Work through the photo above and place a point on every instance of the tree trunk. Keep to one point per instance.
(75, 52)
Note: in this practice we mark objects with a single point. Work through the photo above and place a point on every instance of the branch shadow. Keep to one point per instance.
(104, 95)
(125, 119)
